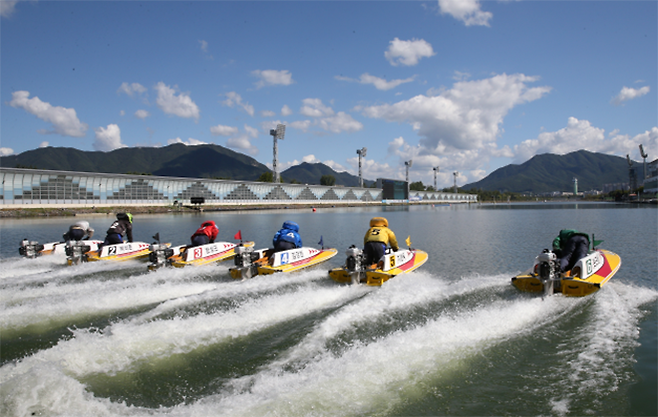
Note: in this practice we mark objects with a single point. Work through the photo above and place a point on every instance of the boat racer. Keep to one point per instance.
(122, 225)
(205, 234)
(570, 246)
(287, 238)
(377, 238)
(79, 231)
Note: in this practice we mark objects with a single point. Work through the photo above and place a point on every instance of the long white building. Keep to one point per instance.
(44, 188)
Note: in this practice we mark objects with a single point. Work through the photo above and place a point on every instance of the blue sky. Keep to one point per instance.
(465, 85)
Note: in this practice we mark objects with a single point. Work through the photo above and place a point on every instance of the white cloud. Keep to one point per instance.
(142, 114)
(580, 134)
(267, 113)
(286, 111)
(180, 105)
(408, 53)
(6, 151)
(65, 121)
(190, 142)
(341, 122)
(273, 77)
(122, 112)
(131, 89)
(242, 141)
(379, 83)
(44, 144)
(108, 139)
(313, 107)
(628, 93)
(325, 118)
(466, 117)
(302, 125)
(204, 45)
(7, 8)
(468, 11)
(233, 99)
(221, 130)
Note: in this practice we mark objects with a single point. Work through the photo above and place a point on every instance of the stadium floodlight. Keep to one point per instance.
(362, 154)
(408, 165)
(644, 158)
(277, 133)
(455, 174)
(436, 170)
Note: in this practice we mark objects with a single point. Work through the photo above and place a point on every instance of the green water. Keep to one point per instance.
(453, 338)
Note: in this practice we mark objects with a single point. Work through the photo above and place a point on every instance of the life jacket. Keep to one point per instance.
(209, 229)
(564, 236)
(288, 233)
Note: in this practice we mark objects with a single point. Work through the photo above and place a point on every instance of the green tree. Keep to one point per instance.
(328, 180)
(266, 177)
(417, 186)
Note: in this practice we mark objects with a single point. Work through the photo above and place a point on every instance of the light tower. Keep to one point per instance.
(455, 174)
(632, 179)
(436, 170)
(277, 133)
(644, 158)
(362, 154)
(575, 186)
(408, 165)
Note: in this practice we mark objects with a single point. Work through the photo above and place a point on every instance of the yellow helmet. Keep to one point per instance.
(378, 221)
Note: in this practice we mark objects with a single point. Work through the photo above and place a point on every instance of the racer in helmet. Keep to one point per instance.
(287, 238)
(570, 246)
(122, 225)
(205, 234)
(376, 240)
(79, 231)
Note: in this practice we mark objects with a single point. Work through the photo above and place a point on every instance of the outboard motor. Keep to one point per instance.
(354, 263)
(30, 249)
(548, 270)
(159, 256)
(244, 260)
(76, 252)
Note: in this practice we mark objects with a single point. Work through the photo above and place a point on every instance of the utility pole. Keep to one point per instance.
(362, 154)
(408, 164)
(277, 133)
(644, 157)
(436, 170)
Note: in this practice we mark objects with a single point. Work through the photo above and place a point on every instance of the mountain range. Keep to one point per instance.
(548, 172)
(177, 160)
(542, 173)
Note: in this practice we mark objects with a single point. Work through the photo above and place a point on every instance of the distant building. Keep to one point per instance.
(651, 182)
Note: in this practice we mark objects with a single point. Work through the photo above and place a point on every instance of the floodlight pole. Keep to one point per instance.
(454, 174)
(362, 154)
(277, 133)
(408, 165)
(644, 158)
(436, 169)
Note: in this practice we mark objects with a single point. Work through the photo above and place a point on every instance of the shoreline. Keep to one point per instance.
(157, 209)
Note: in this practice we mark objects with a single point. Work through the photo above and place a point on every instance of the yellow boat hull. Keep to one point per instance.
(378, 276)
(120, 252)
(575, 286)
(263, 266)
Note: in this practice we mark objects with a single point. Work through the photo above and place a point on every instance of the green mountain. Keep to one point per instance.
(549, 172)
(201, 161)
(306, 173)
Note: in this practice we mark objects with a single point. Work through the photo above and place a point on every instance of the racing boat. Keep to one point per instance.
(588, 275)
(250, 262)
(181, 256)
(392, 264)
(33, 249)
(120, 252)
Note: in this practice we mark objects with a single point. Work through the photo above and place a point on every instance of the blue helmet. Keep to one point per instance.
(291, 225)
